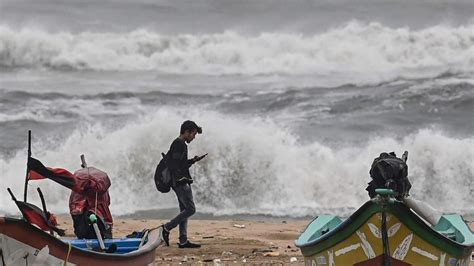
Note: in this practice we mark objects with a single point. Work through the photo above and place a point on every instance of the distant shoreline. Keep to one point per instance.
(169, 213)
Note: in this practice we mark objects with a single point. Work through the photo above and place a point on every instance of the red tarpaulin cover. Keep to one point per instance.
(89, 187)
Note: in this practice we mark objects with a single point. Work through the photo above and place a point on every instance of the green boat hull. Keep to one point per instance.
(408, 240)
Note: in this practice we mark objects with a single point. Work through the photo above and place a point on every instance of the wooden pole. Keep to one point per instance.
(27, 169)
(43, 203)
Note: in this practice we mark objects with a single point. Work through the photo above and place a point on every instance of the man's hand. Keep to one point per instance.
(198, 158)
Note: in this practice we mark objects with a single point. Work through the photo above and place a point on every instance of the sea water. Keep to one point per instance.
(296, 98)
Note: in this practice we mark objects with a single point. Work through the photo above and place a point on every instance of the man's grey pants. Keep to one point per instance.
(187, 208)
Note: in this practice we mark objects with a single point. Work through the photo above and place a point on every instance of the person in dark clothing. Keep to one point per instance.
(178, 165)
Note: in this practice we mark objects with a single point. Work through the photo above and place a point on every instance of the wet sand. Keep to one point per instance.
(267, 242)
(258, 242)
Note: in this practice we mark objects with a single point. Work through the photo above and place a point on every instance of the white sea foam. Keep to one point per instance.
(254, 166)
(356, 49)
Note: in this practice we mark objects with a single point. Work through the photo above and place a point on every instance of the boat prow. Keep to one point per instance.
(386, 234)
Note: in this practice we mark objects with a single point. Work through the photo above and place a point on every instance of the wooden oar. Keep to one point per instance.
(43, 203)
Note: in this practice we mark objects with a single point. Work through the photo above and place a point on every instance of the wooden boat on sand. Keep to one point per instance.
(385, 231)
(22, 243)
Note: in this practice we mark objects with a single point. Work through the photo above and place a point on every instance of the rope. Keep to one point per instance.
(95, 207)
(68, 252)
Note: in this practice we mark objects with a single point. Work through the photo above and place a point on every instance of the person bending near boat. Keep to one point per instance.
(178, 164)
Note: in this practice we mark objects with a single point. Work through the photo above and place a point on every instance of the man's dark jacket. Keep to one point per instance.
(178, 162)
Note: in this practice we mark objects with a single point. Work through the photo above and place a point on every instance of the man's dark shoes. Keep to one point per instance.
(165, 235)
(189, 245)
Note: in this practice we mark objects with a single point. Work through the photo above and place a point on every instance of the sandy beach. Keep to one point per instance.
(224, 241)
(227, 241)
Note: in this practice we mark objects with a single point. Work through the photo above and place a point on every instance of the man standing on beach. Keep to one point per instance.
(178, 165)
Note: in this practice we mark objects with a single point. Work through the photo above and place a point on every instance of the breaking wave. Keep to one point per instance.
(254, 167)
(355, 48)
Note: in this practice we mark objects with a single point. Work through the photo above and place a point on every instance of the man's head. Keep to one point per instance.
(188, 131)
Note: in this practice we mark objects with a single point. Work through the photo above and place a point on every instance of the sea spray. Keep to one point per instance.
(254, 166)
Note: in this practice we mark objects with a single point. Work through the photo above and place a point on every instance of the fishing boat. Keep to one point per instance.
(22, 243)
(35, 239)
(390, 229)
(385, 231)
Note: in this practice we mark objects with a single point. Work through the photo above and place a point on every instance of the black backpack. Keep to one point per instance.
(389, 171)
(163, 179)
